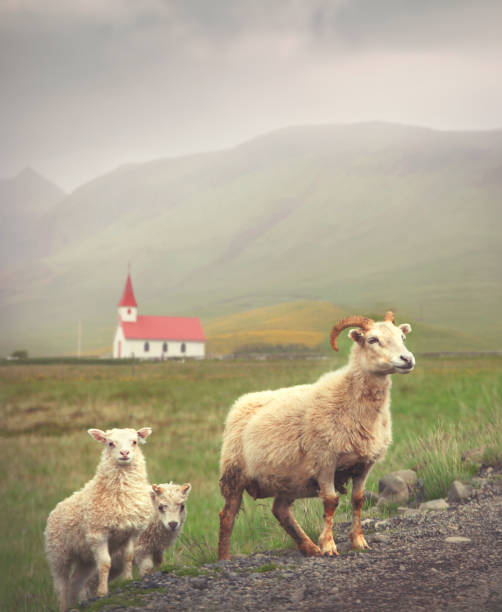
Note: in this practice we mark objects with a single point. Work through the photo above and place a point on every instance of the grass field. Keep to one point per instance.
(444, 408)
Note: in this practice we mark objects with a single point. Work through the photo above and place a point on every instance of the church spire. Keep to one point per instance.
(128, 298)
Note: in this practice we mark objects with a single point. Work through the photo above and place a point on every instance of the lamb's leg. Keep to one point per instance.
(103, 564)
(356, 532)
(61, 577)
(282, 512)
(330, 503)
(145, 565)
(80, 575)
(227, 519)
(128, 557)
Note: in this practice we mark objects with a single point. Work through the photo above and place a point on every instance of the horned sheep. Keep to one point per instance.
(103, 518)
(309, 440)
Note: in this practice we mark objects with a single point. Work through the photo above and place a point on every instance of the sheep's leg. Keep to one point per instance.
(356, 532)
(78, 579)
(103, 564)
(128, 557)
(330, 502)
(61, 577)
(145, 565)
(282, 512)
(227, 519)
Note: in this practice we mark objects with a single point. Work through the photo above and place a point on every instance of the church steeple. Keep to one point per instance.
(128, 307)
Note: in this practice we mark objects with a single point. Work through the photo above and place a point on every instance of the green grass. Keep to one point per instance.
(446, 407)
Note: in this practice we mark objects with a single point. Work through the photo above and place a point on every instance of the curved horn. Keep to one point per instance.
(354, 321)
(389, 316)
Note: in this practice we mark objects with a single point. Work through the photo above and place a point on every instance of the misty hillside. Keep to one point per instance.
(366, 216)
(25, 202)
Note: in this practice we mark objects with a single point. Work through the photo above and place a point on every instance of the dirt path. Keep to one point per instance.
(411, 566)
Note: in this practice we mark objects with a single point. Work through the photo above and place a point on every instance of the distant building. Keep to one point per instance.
(146, 337)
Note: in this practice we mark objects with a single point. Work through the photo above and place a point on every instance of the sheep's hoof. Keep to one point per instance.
(309, 549)
(329, 549)
(358, 542)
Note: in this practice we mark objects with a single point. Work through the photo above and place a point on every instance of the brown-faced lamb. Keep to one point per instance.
(308, 440)
(164, 528)
(103, 518)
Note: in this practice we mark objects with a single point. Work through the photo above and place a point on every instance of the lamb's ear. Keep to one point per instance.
(357, 335)
(97, 434)
(186, 488)
(156, 489)
(144, 433)
(405, 328)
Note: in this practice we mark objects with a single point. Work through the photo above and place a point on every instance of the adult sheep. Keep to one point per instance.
(308, 440)
(105, 517)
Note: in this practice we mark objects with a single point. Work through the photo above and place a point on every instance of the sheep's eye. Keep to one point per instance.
(134, 442)
(162, 508)
(182, 507)
(373, 341)
(111, 444)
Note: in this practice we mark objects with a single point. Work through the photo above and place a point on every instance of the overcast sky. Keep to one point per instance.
(90, 84)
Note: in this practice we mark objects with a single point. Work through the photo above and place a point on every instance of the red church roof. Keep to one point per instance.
(128, 298)
(164, 328)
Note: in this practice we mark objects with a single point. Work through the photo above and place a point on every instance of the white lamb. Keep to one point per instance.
(164, 528)
(105, 517)
(307, 441)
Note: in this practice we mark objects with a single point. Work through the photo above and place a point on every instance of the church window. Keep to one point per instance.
(183, 347)
(164, 347)
(147, 347)
(128, 311)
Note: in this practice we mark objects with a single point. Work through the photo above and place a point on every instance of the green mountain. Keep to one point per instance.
(367, 216)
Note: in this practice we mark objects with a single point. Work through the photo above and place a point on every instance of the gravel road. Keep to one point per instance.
(437, 560)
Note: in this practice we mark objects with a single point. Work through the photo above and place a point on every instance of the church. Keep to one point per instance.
(147, 337)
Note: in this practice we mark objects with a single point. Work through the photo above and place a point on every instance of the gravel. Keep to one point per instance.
(435, 560)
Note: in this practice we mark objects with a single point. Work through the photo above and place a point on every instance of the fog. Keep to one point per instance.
(89, 85)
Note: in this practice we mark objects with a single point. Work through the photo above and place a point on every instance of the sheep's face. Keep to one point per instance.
(121, 445)
(169, 501)
(382, 348)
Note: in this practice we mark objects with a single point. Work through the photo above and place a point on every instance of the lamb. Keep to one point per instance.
(103, 518)
(165, 526)
(309, 440)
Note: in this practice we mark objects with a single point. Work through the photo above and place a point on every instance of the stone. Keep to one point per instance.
(380, 538)
(393, 489)
(371, 496)
(382, 524)
(409, 476)
(457, 540)
(434, 504)
(459, 492)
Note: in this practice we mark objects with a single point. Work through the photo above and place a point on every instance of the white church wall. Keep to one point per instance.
(136, 349)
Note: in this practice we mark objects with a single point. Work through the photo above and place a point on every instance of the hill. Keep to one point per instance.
(366, 216)
(25, 201)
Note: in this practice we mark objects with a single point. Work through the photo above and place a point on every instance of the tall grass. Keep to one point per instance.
(440, 411)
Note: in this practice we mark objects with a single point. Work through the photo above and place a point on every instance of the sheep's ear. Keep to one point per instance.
(156, 489)
(97, 434)
(356, 335)
(186, 488)
(144, 433)
(405, 328)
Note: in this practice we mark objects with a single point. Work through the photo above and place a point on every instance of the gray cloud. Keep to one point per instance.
(88, 85)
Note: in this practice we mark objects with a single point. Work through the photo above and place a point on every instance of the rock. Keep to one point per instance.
(459, 492)
(380, 538)
(367, 523)
(457, 540)
(409, 476)
(371, 496)
(434, 504)
(382, 524)
(393, 489)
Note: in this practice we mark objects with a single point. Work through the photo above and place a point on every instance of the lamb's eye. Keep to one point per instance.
(182, 507)
(111, 444)
(134, 442)
(373, 340)
(161, 508)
